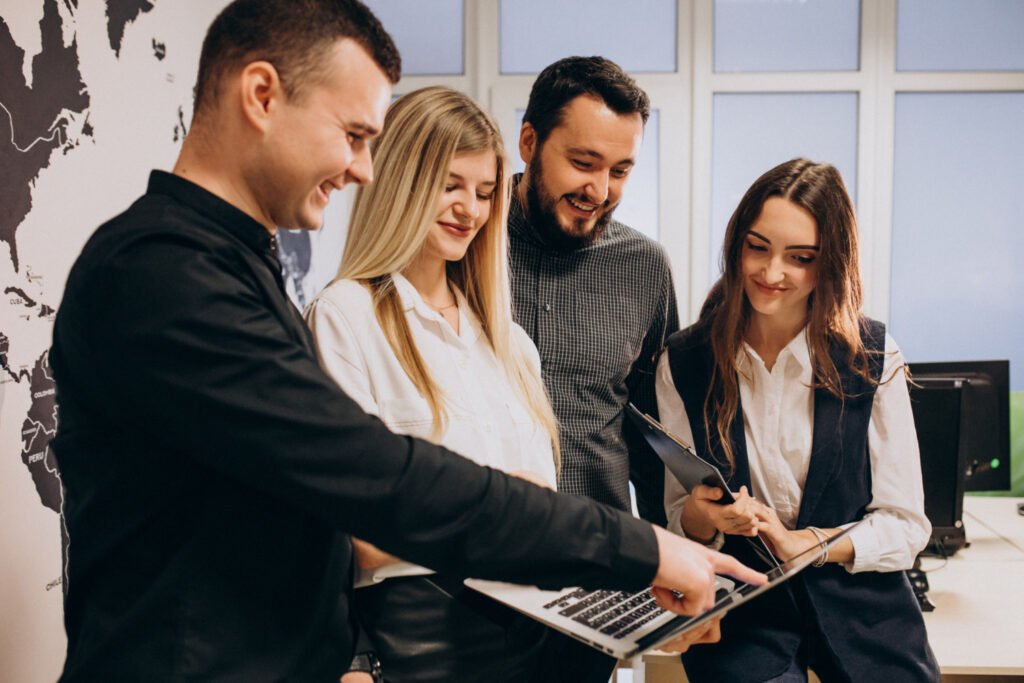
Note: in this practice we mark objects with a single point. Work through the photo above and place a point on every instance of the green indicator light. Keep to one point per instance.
(995, 463)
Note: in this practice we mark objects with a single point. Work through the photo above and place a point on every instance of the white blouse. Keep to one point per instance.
(778, 412)
(487, 422)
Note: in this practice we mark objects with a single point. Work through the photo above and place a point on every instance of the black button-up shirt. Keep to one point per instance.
(212, 469)
(599, 316)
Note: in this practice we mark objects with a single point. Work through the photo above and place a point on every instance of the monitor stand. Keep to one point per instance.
(945, 541)
(919, 583)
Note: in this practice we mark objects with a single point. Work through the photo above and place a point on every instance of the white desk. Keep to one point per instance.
(977, 628)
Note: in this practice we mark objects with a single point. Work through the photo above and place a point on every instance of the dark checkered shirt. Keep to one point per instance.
(599, 317)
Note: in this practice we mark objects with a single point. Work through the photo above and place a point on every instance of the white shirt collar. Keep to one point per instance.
(470, 328)
(800, 351)
(797, 349)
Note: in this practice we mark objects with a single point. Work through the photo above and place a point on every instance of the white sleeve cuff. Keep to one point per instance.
(866, 553)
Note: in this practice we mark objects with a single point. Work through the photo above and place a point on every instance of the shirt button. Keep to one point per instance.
(547, 308)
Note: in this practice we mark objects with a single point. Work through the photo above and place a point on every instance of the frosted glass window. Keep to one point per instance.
(755, 132)
(957, 289)
(640, 35)
(809, 35)
(429, 35)
(960, 35)
(639, 205)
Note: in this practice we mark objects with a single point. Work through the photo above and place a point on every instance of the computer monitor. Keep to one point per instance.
(962, 416)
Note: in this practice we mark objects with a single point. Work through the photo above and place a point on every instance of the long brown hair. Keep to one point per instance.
(833, 306)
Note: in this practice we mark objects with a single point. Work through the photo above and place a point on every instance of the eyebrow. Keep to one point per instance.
(364, 129)
(803, 247)
(458, 177)
(584, 151)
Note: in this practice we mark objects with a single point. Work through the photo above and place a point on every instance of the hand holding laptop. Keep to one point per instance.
(688, 568)
(626, 623)
(708, 632)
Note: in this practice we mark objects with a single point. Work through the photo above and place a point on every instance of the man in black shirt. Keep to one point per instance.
(212, 471)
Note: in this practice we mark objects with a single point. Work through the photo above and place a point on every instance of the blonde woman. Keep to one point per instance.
(418, 329)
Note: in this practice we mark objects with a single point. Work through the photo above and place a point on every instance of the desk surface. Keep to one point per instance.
(997, 516)
(978, 623)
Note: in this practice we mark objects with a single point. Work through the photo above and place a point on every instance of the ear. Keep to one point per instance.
(527, 143)
(260, 92)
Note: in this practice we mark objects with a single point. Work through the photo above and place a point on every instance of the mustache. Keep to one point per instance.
(584, 199)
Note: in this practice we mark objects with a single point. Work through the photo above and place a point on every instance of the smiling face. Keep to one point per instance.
(318, 143)
(463, 206)
(779, 261)
(575, 179)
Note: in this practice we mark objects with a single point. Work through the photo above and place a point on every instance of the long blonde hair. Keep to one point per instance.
(423, 132)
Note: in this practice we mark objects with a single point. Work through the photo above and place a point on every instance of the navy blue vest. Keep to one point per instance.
(869, 622)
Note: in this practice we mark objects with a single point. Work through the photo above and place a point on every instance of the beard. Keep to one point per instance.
(541, 210)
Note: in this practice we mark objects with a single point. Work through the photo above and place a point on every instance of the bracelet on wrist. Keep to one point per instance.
(822, 543)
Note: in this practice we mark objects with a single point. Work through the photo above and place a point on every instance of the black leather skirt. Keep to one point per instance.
(426, 628)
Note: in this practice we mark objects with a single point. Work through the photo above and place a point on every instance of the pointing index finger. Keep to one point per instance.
(730, 566)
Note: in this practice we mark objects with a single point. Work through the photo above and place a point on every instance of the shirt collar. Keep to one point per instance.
(241, 225)
(470, 328)
(409, 295)
(800, 351)
(797, 349)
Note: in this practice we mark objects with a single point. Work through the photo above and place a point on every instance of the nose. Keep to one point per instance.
(597, 187)
(773, 272)
(468, 207)
(360, 171)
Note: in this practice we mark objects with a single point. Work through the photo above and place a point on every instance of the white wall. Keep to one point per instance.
(91, 157)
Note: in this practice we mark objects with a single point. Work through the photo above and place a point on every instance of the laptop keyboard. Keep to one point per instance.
(613, 613)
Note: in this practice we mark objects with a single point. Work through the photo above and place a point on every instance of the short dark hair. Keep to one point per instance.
(568, 78)
(294, 36)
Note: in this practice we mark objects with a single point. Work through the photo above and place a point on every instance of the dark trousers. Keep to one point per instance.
(566, 660)
(813, 654)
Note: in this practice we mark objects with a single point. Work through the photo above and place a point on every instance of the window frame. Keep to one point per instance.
(685, 99)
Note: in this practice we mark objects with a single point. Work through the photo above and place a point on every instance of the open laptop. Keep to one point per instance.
(624, 624)
(690, 469)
